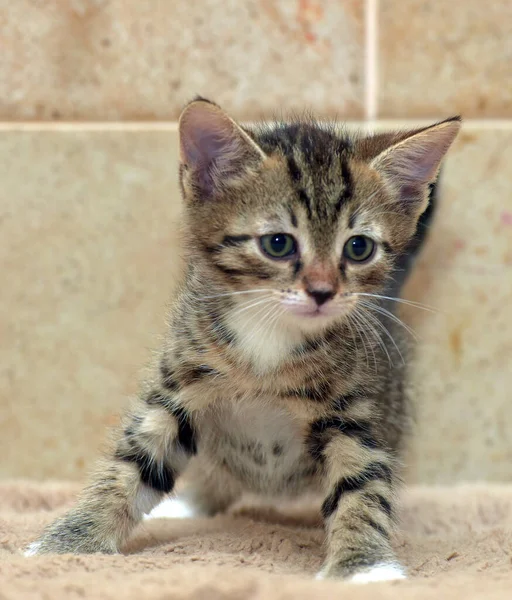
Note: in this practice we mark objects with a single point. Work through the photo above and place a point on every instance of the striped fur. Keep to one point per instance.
(256, 388)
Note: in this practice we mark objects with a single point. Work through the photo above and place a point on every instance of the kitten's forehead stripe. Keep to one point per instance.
(293, 217)
(348, 185)
(293, 169)
(317, 160)
(306, 201)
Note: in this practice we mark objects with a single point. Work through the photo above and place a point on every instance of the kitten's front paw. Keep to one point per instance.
(382, 572)
(389, 571)
(32, 549)
(68, 544)
(75, 533)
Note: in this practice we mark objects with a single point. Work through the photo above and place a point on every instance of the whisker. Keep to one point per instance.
(358, 211)
(381, 310)
(349, 324)
(398, 300)
(224, 295)
(385, 330)
(370, 329)
(261, 322)
(364, 332)
(279, 314)
(248, 305)
(379, 339)
(261, 310)
(385, 212)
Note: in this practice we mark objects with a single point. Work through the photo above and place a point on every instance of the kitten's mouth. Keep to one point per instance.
(312, 312)
(317, 312)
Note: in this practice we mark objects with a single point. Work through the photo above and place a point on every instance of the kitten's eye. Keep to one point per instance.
(278, 245)
(359, 248)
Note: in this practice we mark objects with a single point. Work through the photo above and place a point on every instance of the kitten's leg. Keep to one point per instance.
(358, 509)
(151, 452)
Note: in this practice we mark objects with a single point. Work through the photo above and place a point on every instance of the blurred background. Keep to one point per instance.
(90, 91)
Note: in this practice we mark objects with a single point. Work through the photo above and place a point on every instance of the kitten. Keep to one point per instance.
(282, 372)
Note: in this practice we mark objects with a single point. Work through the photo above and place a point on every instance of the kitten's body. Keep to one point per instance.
(270, 380)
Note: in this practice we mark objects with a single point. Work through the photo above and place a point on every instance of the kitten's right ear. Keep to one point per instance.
(215, 152)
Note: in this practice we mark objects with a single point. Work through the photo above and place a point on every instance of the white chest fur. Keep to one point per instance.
(265, 339)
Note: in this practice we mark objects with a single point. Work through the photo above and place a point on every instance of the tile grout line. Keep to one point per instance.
(370, 61)
(172, 126)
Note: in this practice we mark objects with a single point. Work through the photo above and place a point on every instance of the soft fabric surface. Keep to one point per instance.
(456, 543)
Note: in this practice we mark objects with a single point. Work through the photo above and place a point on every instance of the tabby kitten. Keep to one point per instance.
(283, 368)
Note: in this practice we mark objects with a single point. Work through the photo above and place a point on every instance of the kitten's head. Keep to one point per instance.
(301, 218)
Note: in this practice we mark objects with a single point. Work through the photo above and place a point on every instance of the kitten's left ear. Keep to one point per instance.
(216, 153)
(409, 165)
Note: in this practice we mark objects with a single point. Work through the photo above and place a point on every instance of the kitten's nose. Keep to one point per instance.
(320, 295)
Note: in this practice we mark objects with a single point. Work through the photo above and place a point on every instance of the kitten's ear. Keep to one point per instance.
(410, 164)
(215, 151)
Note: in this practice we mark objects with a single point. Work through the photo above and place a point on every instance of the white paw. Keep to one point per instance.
(33, 549)
(173, 508)
(382, 572)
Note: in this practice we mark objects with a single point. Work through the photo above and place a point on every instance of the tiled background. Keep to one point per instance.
(89, 204)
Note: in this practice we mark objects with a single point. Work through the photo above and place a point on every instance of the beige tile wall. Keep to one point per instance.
(127, 59)
(445, 57)
(89, 227)
(462, 374)
(89, 213)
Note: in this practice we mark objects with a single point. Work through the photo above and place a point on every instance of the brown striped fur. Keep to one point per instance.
(248, 394)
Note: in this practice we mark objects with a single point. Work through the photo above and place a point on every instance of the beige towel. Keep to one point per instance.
(456, 543)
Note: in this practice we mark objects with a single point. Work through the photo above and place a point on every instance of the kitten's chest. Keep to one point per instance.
(260, 444)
